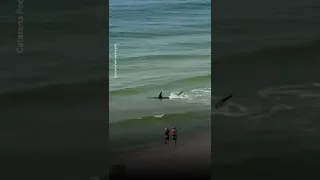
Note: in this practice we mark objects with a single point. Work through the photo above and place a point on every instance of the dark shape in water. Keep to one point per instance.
(222, 101)
(180, 93)
(161, 97)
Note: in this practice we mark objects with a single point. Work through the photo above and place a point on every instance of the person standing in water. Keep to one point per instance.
(166, 136)
(174, 135)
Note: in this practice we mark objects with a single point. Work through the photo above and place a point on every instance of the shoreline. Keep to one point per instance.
(191, 155)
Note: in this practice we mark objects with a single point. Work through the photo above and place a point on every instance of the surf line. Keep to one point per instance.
(115, 61)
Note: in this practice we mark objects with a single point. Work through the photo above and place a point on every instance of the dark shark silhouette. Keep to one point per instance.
(161, 97)
(180, 93)
(222, 101)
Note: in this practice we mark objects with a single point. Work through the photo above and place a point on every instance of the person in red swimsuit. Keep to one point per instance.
(174, 135)
(166, 136)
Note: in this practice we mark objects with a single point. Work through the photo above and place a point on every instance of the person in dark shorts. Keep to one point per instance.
(166, 136)
(174, 135)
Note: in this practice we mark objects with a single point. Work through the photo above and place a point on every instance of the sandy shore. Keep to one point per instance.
(190, 156)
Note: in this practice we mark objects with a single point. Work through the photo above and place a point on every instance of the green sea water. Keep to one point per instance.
(158, 46)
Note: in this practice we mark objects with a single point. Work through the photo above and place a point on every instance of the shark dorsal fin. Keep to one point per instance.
(180, 93)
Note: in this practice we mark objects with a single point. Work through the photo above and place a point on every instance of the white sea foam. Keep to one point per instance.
(305, 90)
(198, 95)
(158, 116)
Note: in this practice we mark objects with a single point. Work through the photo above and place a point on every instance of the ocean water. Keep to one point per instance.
(53, 75)
(158, 46)
(53, 95)
(266, 53)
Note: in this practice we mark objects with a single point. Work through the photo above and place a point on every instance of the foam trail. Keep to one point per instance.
(158, 116)
(301, 90)
(198, 95)
(174, 95)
